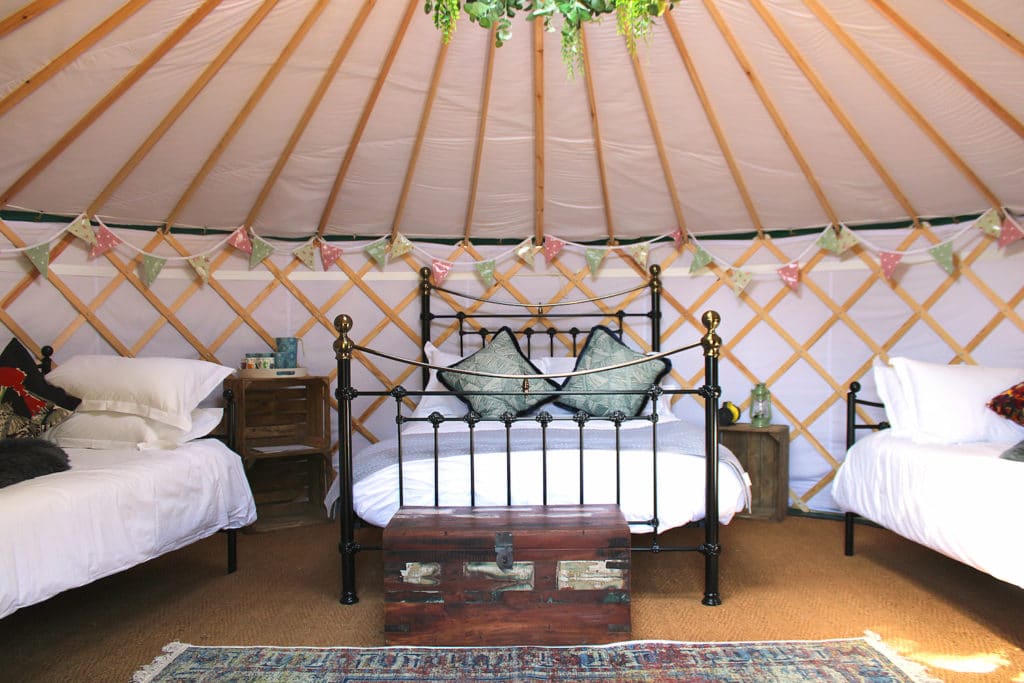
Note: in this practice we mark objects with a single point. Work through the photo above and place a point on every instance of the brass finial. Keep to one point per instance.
(711, 342)
(343, 344)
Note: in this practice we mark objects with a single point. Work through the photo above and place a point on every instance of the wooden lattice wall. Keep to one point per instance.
(808, 345)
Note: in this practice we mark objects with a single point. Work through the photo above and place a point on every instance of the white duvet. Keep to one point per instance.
(961, 500)
(112, 510)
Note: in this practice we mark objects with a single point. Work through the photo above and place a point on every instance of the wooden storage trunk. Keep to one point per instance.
(526, 575)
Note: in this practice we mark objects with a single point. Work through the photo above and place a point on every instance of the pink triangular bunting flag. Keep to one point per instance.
(329, 254)
(240, 240)
(105, 241)
(439, 271)
(790, 274)
(677, 237)
(890, 259)
(1010, 233)
(552, 245)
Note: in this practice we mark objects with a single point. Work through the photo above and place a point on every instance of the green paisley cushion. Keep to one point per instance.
(602, 349)
(502, 356)
(1010, 403)
(1015, 452)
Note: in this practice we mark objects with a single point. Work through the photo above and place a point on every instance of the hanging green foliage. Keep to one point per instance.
(634, 19)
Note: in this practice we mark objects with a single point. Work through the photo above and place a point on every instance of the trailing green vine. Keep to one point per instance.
(634, 19)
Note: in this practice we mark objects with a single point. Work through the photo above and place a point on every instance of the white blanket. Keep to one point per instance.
(961, 500)
(113, 510)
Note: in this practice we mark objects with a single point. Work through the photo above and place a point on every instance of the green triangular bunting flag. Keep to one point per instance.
(150, 268)
(82, 229)
(378, 251)
(989, 223)
(594, 258)
(740, 280)
(201, 264)
(39, 255)
(485, 269)
(943, 255)
(701, 258)
(261, 249)
(307, 254)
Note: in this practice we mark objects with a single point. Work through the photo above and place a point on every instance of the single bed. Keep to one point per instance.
(137, 487)
(940, 469)
(543, 429)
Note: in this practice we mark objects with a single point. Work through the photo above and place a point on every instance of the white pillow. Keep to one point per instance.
(120, 431)
(949, 401)
(163, 389)
(901, 417)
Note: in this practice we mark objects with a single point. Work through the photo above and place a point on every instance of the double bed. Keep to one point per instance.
(547, 407)
(944, 467)
(142, 478)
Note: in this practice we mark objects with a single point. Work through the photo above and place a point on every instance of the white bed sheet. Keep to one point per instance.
(680, 484)
(961, 500)
(113, 510)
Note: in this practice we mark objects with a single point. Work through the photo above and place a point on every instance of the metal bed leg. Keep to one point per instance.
(848, 534)
(232, 550)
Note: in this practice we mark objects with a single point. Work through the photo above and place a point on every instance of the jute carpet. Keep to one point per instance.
(853, 660)
(780, 581)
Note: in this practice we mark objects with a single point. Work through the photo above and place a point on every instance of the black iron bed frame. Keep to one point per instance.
(710, 392)
(852, 426)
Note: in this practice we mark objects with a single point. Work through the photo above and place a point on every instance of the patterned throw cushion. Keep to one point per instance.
(1015, 452)
(1010, 403)
(603, 348)
(503, 356)
(29, 405)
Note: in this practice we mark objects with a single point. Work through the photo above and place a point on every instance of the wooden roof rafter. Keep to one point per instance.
(595, 125)
(19, 18)
(538, 133)
(986, 24)
(481, 133)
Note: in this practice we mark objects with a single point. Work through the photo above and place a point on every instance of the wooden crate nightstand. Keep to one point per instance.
(764, 453)
(281, 429)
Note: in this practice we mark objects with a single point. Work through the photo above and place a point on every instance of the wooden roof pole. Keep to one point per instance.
(19, 18)
(36, 80)
(998, 32)
(1000, 112)
(716, 127)
(485, 103)
(598, 146)
(257, 94)
(311, 106)
(182, 104)
(897, 95)
(97, 110)
(364, 118)
(659, 144)
(428, 105)
(837, 111)
(538, 133)
(748, 68)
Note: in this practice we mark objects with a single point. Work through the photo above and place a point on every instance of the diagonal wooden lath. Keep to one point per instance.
(97, 110)
(36, 80)
(939, 56)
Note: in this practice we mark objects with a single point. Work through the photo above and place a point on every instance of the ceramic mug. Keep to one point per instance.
(287, 355)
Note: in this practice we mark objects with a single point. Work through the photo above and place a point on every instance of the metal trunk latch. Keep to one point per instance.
(503, 550)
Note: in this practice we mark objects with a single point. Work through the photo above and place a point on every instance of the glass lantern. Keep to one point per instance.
(760, 406)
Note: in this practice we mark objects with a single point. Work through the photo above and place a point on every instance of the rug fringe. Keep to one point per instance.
(918, 672)
(150, 671)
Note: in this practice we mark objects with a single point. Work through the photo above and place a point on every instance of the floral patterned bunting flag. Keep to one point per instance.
(240, 240)
(150, 268)
(439, 271)
(594, 258)
(837, 242)
(701, 259)
(1010, 232)
(378, 251)
(105, 241)
(740, 280)
(261, 249)
(39, 255)
(989, 223)
(329, 254)
(485, 269)
(82, 229)
(552, 246)
(943, 255)
(790, 274)
(639, 253)
(889, 261)
(526, 251)
(400, 246)
(677, 238)
(306, 253)
(201, 264)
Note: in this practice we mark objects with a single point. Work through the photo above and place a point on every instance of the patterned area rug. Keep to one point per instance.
(849, 660)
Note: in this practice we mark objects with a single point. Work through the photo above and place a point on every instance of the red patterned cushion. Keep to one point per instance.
(1010, 403)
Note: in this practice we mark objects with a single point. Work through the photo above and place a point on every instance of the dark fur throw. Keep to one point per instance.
(22, 459)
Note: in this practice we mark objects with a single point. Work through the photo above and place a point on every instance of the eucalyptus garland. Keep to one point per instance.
(634, 19)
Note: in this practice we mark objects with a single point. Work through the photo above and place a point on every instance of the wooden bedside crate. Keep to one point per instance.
(764, 454)
(567, 581)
